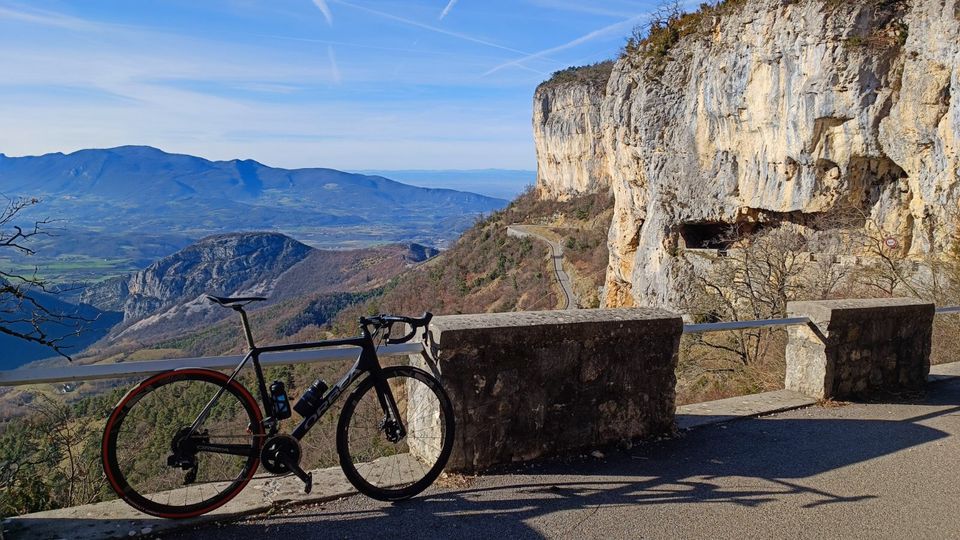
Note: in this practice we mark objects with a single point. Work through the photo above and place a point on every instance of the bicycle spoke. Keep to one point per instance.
(392, 470)
(147, 435)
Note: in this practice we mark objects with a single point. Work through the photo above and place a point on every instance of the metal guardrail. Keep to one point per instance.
(740, 325)
(18, 377)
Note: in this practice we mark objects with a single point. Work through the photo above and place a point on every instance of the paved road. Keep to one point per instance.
(570, 299)
(881, 470)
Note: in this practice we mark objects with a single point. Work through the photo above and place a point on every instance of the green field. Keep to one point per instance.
(69, 268)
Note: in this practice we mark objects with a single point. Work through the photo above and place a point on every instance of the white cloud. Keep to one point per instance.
(325, 9)
(619, 28)
(447, 9)
(139, 85)
(48, 18)
(591, 8)
(334, 68)
(458, 35)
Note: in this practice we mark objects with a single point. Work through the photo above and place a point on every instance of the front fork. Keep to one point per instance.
(392, 424)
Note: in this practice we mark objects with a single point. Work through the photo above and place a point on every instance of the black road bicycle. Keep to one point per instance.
(186, 441)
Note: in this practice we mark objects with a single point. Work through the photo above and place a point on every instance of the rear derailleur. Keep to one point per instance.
(184, 452)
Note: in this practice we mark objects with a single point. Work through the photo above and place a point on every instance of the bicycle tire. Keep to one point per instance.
(373, 464)
(139, 437)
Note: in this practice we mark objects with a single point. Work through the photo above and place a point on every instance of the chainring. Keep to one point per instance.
(278, 449)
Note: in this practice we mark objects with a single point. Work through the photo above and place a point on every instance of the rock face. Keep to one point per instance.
(771, 111)
(568, 138)
(228, 264)
(169, 296)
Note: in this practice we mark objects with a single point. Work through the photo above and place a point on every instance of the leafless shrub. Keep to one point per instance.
(22, 314)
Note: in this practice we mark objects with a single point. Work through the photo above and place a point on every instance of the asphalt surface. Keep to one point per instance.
(874, 470)
(570, 299)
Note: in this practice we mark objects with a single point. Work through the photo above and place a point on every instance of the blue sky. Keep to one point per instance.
(353, 84)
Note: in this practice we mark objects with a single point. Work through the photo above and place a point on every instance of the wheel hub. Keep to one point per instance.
(183, 448)
(393, 430)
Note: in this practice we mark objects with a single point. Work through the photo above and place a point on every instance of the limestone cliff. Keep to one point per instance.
(568, 132)
(765, 111)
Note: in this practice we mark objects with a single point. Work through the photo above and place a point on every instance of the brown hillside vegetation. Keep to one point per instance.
(355, 270)
(488, 271)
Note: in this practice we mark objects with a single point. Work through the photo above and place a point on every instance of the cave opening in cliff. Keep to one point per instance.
(714, 234)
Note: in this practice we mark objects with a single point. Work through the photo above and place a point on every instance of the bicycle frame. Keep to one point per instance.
(367, 362)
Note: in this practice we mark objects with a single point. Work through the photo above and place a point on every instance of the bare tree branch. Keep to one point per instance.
(23, 314)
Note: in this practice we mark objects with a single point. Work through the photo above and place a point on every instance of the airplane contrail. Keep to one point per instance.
(447, 9)
(325, 9)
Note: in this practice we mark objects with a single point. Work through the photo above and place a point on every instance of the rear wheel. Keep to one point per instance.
(153, 462)
(390, 460)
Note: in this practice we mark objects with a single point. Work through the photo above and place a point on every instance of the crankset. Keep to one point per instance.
(281, 455)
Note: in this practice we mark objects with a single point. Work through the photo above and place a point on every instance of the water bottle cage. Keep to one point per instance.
(281, 403)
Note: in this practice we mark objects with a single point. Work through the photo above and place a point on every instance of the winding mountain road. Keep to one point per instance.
(524, 231)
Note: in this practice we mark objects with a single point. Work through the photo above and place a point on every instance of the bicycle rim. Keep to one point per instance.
(139, 440)
(388, 470)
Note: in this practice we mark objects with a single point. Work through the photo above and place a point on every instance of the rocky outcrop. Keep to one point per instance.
(772, 111)
(568, 133)
(168, 297)
(108, 295)
(228, 264)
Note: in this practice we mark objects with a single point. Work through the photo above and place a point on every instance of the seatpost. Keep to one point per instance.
(246, 326)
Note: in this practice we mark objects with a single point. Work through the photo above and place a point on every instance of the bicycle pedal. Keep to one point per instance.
(305, 477)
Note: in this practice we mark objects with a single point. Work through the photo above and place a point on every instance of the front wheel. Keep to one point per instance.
(158, 465)
(389, 458)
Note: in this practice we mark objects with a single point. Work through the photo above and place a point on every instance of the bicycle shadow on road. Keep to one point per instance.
(748, 464)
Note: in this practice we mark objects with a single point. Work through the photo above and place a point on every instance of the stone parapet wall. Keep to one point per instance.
(853, 348)
(531, 384)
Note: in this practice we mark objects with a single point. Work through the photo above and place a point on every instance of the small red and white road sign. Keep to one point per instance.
(891, 242)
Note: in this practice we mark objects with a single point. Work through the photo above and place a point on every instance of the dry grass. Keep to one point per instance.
(488, 271)
(455, 481)
(946, 339)
(705, 373)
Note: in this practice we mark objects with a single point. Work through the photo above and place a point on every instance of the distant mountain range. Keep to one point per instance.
(167, 299)
(500, 183)
(140, 189)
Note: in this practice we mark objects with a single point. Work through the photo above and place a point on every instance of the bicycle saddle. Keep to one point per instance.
(227, 302)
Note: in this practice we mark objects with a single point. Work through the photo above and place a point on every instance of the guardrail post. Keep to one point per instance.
(531, 384)
(852, 348)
